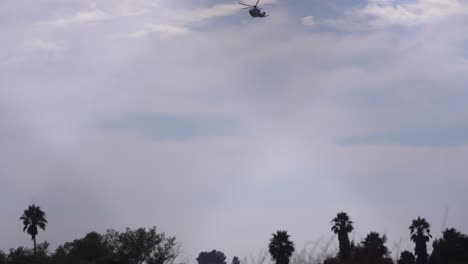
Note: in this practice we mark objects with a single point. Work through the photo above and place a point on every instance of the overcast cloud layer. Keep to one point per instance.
(220, 129)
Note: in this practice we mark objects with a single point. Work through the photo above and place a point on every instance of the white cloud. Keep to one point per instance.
(412, 13)
(93, 15)
(40, 44)
(218, 10)
(168, 29)
(171, 30)
(381, 1)
(201, 14)
(30, 49)
(130, 8)
(124, 8)
(179, 21)
(308, 21)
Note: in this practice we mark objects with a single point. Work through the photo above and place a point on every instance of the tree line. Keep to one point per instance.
(148, 246)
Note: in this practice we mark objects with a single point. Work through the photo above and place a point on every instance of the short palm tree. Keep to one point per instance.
(342, 225)
(33, 218)
(420, 235)
(280, 247)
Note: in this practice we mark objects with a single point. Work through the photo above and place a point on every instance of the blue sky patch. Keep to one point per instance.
(160, 126)
(417, 136)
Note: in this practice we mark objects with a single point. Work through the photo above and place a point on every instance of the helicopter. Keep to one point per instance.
(255, 11)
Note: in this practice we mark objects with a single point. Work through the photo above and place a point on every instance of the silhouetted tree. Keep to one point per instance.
(331, 260)
(142, 246)
(213, 257)
(420, 234)
(342, 225)
(406, 257)
(372, 250)
(280, 247)
(374, 245)
(166, 251)
(33, 218)
(22, 255)
(91, 248)
(62, 255)
(130, 247)
(3, 257)
(136, 245)
(452, 248)
(235, 260)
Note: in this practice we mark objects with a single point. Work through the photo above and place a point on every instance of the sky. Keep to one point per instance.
(220, 129)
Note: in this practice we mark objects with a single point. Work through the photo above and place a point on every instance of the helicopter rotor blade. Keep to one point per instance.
(245, 4)
(257, 2)
(246, 7)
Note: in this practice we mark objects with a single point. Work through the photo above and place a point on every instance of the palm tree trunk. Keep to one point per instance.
(34, 241)
(344, 245)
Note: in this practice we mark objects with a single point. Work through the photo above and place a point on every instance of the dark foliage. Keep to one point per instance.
(129, 247)
(147, 246)
(372, 250)
(90, 249)
(22, 255)
(332, 260)
(235, 260)
(142, 246)
(406, 257)
(452, 248)
(212, 257)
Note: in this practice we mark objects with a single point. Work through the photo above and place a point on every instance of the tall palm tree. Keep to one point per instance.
(420, 235)
(33, 218)
(280, 247)
(342, 225)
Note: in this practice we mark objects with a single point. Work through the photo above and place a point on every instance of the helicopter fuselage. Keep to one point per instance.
(254, 10)
(257, 12)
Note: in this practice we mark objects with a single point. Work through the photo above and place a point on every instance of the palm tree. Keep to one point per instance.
(32, 218)
(342, 225)
(280, 247)
(420, 235)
